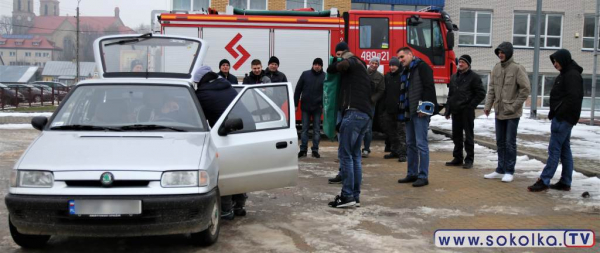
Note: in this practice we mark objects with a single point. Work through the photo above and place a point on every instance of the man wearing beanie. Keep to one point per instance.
(224, 68)
(466, 92)
(377, 89)
(354, 105)
(273, 72)
(508, 89)
(394, 128)
(309, 90)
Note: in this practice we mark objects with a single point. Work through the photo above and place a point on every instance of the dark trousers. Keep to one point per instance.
(316, 120)
(396, 133)
(506, 141)
(463, 122)
(231, 201)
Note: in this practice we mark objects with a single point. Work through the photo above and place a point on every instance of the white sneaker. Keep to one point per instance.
(365, 154)
(493, 175)
(507, 178)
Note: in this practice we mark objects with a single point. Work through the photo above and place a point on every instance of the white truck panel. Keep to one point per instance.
(254, 41)
(296, 50)
(182, 31)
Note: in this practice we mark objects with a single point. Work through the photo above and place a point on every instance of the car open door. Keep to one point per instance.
(256, 140)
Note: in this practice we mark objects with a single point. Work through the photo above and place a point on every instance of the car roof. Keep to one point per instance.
(125, 81)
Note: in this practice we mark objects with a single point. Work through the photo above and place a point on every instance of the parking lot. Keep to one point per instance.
(393, 217)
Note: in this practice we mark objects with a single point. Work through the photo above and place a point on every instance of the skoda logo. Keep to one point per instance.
(107, 179)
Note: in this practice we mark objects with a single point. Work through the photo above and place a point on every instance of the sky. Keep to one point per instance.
(132, 12)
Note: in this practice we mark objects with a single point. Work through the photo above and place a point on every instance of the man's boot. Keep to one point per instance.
(455, 162)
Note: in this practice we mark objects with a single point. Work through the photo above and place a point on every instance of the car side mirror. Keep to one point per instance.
(450, 40)
(39, 122)
(414, 20)
(231, 125)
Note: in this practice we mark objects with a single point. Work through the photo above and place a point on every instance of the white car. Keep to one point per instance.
(131, 154)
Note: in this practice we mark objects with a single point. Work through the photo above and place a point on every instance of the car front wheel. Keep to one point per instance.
(27, 241)
(210, 235)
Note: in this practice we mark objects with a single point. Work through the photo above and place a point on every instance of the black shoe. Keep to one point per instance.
(336, 180)
(340, 202)
(402, 159)
(538, 186)
(421, 182)
(391, 156)
(468, 165)
(301, 154)
(315, 154)
(239, 211)
(407, 179)
(455, 162)
(560, 186)
(227, 215)
(357, 203)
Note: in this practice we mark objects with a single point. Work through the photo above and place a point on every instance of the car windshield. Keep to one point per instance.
(130, 108)
(148, 57)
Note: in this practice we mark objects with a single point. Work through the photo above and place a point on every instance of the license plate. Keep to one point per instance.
(105, 208)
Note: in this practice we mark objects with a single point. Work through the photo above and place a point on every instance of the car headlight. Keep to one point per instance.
(179, 179)
(33, 178)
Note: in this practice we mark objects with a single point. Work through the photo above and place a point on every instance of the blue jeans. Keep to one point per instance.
(417, 146)
(316, 116)
(559, 148)
(352, 132)
(369, 133)
(506, 141)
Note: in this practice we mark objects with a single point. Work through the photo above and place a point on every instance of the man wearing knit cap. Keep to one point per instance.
(224, 68)
(309, 90)
(508, 89)
(466, 92)
(377, 88)
(273, 72)
(354, 105)
(394, 128)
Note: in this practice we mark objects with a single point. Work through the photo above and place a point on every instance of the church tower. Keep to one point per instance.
(49, 8)
(22, 16)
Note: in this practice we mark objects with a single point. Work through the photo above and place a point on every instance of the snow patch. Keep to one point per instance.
(15, 126)
(25, 114)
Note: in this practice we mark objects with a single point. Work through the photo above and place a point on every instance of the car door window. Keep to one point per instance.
(262, 108)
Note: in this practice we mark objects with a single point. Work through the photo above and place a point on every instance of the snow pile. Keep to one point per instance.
(25, 114)
(15, 126)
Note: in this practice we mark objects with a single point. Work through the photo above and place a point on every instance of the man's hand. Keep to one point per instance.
(447, 116)
(421, 115)
(487, 112)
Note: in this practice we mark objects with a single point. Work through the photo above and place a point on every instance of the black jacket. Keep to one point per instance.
(310, 90)
(567, 92)
(466, 92)
(214, 94)
(251, 78)
(421, 87)
(355, 84)
(229, 77)
(392, 92)
(276, 77)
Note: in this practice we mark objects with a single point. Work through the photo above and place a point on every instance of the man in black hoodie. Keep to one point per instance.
(257, 75)
(224, 68)
(310, 88)
(394, 128)
(565, 107)
(354, 104)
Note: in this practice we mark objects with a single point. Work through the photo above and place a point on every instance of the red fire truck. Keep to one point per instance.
(298, 37)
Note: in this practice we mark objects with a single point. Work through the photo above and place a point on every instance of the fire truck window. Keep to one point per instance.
(427, 38)
(374, 33)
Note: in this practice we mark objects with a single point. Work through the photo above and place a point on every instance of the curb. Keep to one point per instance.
(491, 145)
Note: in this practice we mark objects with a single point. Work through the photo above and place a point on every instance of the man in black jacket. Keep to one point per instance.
(565, 108)
(466, 92)
(393, 127)
(354, 104)
(417, 78)
(310, 88)
(273, 73)
(224, 68)
(257, 75)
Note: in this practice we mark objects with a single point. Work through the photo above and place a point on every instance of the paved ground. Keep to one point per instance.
(394, 217)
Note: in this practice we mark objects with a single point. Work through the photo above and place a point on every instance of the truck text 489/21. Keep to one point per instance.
(367, 55)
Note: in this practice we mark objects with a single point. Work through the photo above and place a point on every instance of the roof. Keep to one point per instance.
(67, 68)
(404, 2)
(17, 74)
(27, 42)
(48, 24)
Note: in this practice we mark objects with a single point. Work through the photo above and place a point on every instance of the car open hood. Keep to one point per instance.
(144, 151)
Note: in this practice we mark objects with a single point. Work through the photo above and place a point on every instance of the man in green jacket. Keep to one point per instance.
(509, 88)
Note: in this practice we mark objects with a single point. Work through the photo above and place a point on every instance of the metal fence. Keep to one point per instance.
(15, 97)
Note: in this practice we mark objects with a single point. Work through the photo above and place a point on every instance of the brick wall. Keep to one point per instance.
(341, 5)
(276, 5)
(219, 5)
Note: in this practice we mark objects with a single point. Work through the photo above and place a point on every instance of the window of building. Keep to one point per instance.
(359, 6)
(475, 28)
(380, 7)
(190, 5)
(249, 4)
(12, 54)
(2, 42)
(18, 43)
(27, 54)
(588, 33)
(38, 54)
(297, 4)
(374, 33)
(46, 10)
(46, 54)
(524, 27)
(1, 53)
(35, 43)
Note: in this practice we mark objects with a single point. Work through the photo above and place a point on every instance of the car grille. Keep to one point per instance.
(116, 183)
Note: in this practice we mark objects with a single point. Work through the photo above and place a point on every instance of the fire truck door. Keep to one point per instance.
(373, 36)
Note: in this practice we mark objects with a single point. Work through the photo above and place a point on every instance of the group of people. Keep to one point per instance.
(399, 98)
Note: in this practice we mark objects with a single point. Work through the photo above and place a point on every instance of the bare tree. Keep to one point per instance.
(143, 28)
(6, 25)
(87, 38)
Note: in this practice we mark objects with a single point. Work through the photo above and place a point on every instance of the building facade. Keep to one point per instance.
(565, 24)
(26, 50)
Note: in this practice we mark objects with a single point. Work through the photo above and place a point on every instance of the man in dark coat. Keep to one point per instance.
(418, 80)
(224, 68)
(354, 105)
(273, 73)
(309, 90)
(466, 92)
(565, 108)
(394, 128)
(377, 89)
(257, 75)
